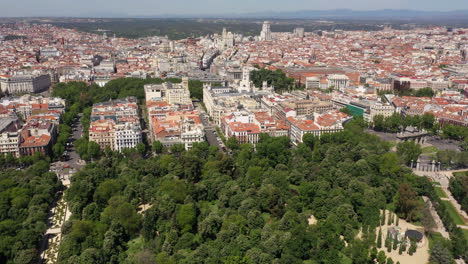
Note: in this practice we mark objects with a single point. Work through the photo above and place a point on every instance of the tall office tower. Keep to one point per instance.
(299, 32)
(266, 32)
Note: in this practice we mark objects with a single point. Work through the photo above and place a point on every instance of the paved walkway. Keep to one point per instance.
(51, 240)
(440, 226)
(455, 204)
(53, 231)
(443, 178)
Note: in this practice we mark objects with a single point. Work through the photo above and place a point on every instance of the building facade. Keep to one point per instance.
(265, 34)
(18, 84)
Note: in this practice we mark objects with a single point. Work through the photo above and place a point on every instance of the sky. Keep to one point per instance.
(122, 8)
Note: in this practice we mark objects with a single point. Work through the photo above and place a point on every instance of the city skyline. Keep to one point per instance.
(148, 8)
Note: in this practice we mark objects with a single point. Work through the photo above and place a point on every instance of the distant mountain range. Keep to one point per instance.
(383, 14)
(356, 14)
(348, 14)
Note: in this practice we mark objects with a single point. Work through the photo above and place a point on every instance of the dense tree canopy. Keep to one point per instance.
(276, 78)
(459, 189)
(25, 199)
(409, 151)
(396, 122)
(251, 207)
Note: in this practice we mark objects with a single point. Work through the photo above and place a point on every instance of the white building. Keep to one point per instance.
(299, 32)
(178, 93)
(49, 52)
(17, 84)
(127, 135)
(330, 122)
(312, 83)
(9, 143)
(265, 34)
(106, 66)
(245, 84)
(9, 136)
(173, 93)
(381, 109)
(191, 132)
(338, 81)
(227, 40)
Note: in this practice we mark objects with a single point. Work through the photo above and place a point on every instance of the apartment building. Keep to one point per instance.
(49, 52)
(330, 122)
(127, 135)
(178, 127)
(338, 81)
(18, 84)
(115, 124)
(37, 136)
(244, 132)
(381, 109)
(312, 82)
(9, 136)
(103, 133)
(173, 93)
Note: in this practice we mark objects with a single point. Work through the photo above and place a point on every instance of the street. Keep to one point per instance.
(210, 130)
(65, 169)
(60, 213)
(75, 161)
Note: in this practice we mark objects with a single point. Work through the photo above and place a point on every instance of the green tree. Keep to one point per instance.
(425, 92)
(310, 140)
(409, 151)
(122, 213)
(27, 256)
(379, 238)
(378, 121)
(428, 121)
(381, 258)
(186, 217)
(177, 148)
(395, 243)
(440, 254)
(388, 241)
(389, 165)
(232, 143)
(196, 89)
(141, 148)
(157, 147)
(58, 149)
(94, 150)
(412, 248)
(407, 203)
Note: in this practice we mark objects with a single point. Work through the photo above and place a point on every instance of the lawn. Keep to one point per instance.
(440, 192)
(429, 150)
(456, 217)
(433, 238)
(135, 245)
(460, 173)
(465, 232)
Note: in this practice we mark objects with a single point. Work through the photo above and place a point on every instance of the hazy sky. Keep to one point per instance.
(160, 7)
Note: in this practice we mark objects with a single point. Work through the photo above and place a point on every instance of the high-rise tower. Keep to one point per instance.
(266, 32)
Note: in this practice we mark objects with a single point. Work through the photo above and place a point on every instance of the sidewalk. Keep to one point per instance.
(440, 226)
(457, 206)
